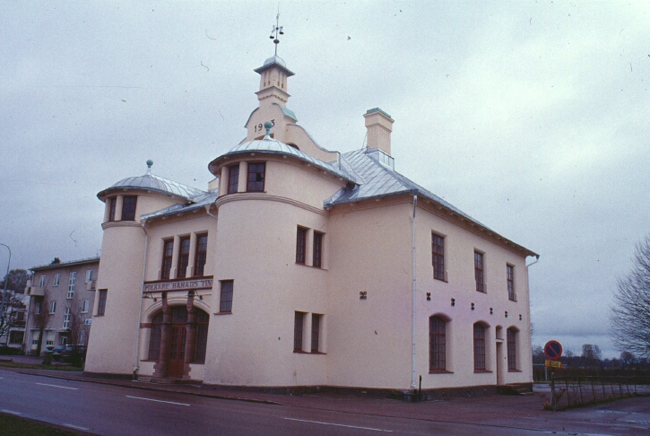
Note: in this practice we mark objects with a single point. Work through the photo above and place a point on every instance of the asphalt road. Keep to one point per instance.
(114, 410)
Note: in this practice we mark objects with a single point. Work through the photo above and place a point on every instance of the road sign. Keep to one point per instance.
(552, 350)
(553, 363)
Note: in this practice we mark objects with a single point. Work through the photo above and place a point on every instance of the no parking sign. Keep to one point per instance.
(552, 351)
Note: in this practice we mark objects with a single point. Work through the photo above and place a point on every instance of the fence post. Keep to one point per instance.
(582, 401)
(593, 394)
(568, 399)
(553, 393)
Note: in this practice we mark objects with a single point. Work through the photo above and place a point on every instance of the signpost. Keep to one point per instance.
(552, 351)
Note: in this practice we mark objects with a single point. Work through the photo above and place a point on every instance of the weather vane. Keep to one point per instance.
(277, 30)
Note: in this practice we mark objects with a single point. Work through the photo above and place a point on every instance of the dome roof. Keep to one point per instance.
(273, 146)
(277, 61)
(152, 182)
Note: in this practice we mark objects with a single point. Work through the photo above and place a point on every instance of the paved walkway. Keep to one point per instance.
(495, 410)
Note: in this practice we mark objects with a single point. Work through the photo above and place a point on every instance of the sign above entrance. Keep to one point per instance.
(178, 285)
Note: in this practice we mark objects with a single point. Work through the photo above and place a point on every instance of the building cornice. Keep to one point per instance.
(255, 196)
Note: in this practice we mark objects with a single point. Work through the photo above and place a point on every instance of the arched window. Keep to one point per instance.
(437, 344)
(511, 338)
(154, 338)
(479, 347)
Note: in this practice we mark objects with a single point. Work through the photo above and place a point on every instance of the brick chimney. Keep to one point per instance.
(379, 125)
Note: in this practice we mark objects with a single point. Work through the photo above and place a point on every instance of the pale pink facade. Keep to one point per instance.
(306, 267)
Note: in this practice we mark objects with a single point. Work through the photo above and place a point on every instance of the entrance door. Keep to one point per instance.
(176, 351)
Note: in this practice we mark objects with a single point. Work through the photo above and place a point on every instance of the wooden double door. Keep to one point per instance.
(176, 362)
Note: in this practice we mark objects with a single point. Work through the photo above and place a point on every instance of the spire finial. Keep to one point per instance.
(149, 165)
(277, 30)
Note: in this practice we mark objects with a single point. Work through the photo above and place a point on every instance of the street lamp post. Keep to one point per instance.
(4, 292)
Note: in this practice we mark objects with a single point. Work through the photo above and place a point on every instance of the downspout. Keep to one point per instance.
(137, 339)
(413, 291)
(528, 290)
(207, 210)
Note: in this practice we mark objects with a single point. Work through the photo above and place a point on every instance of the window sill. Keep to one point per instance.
(481, 292)
(222, 313)
(514, 370)
(482, 371)
(317, 352)
(440, 371)
(441, 280)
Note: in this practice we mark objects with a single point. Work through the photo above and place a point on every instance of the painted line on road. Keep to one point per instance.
(58, 386)
(11, 412)
(158, 401)
(76, 427)
(340, 425)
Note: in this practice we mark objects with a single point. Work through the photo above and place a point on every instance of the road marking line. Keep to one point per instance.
(11, 412)
(76, 427)
(340, 425)
(158, 401)
(57, 386)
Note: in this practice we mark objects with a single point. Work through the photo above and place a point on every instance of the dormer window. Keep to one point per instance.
(382, 157)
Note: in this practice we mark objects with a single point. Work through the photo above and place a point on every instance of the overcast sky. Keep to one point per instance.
(532, 117)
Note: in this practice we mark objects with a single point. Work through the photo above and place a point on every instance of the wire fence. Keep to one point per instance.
(571, 391)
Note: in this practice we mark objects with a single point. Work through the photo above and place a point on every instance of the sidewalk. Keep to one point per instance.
(493, 410)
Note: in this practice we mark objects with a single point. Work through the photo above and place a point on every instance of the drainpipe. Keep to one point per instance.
(207, 210)
(137, 339)
(413, 291)
(528, 289)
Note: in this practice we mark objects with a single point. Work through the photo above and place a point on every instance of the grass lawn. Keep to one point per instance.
(8, 364)
(11, 425)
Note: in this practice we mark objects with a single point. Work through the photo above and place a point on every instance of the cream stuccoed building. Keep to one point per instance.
(302, 267)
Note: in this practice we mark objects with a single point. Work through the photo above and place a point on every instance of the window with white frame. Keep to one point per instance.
(66, 318)
(41, 283)
(50, 339)
(52, 307)
(73, 276)
(85, 304)
(89, 275)
(57, 278)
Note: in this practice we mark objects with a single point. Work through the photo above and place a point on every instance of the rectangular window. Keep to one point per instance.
(128, 207)
(52, 307)
(183, 257)
(84, 306)
(301, 243)
(511, 282)
(168, 252)
(66, 318)
(37, 308)
(297, 331)
(225, 302)
(201, 254)
(437, 344)
(315, 332)
(101, 306)
(111, 208)
(89, 275)
(49, 339)
(256, 177)
(57, 277)
(479, 347)
(318, 249)
(202, 323)
(35, 336)
(41, 282)
(478, 271)
(512, 349)
(71, 282)
(438, 255)
(233, 179)
(16, 337)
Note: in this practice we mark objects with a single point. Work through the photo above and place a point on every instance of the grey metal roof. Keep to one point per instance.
(198, 201)
(379, 180)
(274, 60)
(273, 146)
(156, 183)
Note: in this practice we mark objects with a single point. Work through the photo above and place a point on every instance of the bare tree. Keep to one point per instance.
(39, 313)
(591, 355)
(78, 329)
(630, 314)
